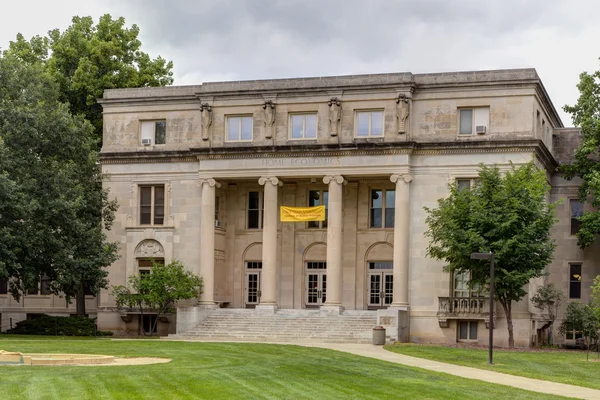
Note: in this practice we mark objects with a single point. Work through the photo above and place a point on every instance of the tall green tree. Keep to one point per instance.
(586, 163)
(88, 58)
(506, 214)
(54, 210)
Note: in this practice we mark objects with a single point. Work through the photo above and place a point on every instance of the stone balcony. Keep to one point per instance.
(465, 308)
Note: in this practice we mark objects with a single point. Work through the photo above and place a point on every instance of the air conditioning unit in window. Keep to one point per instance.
(146, 142)
(480, 129)
(218, 223)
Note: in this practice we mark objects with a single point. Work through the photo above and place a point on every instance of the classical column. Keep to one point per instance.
(268, 299)
(401, 240)
(333, 301)
(207, 237)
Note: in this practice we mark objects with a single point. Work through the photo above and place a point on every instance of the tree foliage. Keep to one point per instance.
(52, 206)
(87, 58)
(580, 317)
(586, 163)
(505, 214)
(548, 300)
(159, 290)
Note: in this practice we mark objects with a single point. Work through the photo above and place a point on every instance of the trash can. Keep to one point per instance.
(379, 335)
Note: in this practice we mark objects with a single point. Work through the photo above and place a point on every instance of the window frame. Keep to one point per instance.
(370, 112)
(472, 292)
(153, 187)
(260, 209)
(241, 117)
(473, 124)
(318, 224)
(304, 115)
(154, 121)
(384, 207)
(4, 286)
(469, 337)
(574, 223)
(472, 181)
(576, 281)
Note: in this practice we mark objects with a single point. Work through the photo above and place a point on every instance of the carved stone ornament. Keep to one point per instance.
(334, 178)
(207, 118)
(149, 248)
(402, 112)
(273, 180)
(405, 177)
(269, 118)
(335, 115)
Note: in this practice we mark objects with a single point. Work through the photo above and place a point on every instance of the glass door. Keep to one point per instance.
(252, 289)
(316, 284)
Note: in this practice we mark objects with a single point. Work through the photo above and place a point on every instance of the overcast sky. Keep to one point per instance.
(213, 40)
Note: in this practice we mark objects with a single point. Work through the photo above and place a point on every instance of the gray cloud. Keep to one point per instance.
(253, 39)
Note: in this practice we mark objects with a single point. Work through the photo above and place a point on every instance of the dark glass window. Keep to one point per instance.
(255, 210)
(318, 198)
(383, 202)
(575, 281)
(3, 285)
(152, 205)
(576, 213)
(160, 132)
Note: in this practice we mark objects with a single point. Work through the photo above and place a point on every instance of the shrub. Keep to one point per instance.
(60, 326)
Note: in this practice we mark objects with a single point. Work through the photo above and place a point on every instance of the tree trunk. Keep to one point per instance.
(507, 306)
(80, 301)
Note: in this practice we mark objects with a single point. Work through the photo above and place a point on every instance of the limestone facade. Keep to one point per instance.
(226, 155)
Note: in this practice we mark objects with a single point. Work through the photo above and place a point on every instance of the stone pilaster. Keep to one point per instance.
(207, 236)
(268, 300)
(401, 240)
(333, 302)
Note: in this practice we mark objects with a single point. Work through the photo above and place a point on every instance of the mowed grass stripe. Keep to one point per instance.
(232, 371)
(568, 367)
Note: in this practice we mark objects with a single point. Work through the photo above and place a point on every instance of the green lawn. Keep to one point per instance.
(229, 371)
(558, 366)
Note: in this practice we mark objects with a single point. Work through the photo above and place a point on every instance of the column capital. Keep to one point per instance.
(271, 179)
(209, 181)
(336, 178)
(406, 177)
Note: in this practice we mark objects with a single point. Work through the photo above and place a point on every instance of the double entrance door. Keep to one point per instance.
(252, 292)
(380, 284)
(316, 283)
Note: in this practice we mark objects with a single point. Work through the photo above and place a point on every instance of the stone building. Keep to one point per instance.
(200, 172)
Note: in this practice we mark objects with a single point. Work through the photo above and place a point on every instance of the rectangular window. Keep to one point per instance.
(154, 131)
(152, 205)
(461, 286)
(254, 264)
(473, 120)
(383, 202)
(369, 124)
(316, 265)
(303, 126)
(256, 206)
(381, 265)
(40, 287)
(218, 221)
(467, 330)
(575, 281)
(145, 265)
(3, 285)
(239, 129)
(464, 184)
(576, 213)
(318, 198)
(45, 286)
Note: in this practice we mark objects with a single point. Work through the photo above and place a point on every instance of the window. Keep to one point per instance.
(152, 205)
(145, 266)
(254, 265)
(256, 206)
(576, 213)
(155, 131)
(574, 335)
(88, 290)
(316, 265)
(575, 281)
(318, 198)
(218, 223)
(381, 265)
(369, 123)
(40, 287)
(461, 286)
(303, 126)
(239, 129)
(467, 330)
(149, 324)
(383, 202)
(473, 120)
(3, 285)
(465, 183)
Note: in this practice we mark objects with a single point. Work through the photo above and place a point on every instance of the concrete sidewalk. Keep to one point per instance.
(535, 385)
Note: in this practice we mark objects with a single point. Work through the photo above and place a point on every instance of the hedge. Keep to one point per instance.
(58, 326)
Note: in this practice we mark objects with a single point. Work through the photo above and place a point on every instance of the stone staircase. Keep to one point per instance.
(223, 324)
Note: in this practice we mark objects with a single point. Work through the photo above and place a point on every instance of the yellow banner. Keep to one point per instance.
(301, 214)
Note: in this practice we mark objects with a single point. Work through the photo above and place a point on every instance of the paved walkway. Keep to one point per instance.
(534, 385)
(520, 382)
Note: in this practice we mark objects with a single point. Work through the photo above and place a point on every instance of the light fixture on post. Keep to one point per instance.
(489, 256)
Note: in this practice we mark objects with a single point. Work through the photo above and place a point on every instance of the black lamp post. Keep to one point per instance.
(489, 256)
